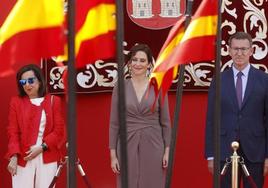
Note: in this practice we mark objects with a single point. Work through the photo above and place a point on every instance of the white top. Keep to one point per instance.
(37, 102)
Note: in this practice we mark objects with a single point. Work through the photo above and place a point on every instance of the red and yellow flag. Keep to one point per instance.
(195, 44)
(163, 79)
(95, 37)
(95, 31)
(32, 30)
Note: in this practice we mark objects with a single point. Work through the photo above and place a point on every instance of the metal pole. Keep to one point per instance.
(121, 92)
(177, 110)
(175, 127)
(217, 116)
(71, 117)
(235, 159)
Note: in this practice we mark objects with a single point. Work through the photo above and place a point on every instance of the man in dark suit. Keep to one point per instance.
(244, 110)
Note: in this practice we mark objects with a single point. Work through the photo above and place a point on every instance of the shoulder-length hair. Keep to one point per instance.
(38, 74)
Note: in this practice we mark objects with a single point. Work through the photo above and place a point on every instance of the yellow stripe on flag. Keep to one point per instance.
(99, 20)
(25, 16)
(200, 27)
(169, 49)
(187, 46)
(158, 76)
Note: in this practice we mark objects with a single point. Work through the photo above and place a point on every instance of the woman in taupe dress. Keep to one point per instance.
(148, 132)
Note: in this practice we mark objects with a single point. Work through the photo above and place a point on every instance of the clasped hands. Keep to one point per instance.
(33, 152)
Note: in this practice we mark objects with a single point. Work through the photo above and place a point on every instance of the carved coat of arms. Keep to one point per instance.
(155, 14)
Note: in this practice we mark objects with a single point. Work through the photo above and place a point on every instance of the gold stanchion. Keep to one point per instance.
(235, 160)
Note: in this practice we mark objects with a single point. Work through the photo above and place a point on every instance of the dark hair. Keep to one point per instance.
(240, 36)
(38, 74)
(140, 47)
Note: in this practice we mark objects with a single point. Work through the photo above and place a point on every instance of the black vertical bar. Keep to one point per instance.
(71, 117)
(175, 127)
(217, 116)
(177, 110)
(121, 92)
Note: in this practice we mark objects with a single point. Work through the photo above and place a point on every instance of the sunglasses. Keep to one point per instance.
(29, 80)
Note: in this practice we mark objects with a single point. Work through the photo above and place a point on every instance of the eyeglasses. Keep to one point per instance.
(243, 50)
(29, 80)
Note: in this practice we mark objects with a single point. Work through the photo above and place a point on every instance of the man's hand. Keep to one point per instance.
(211, 166)
(265, 168)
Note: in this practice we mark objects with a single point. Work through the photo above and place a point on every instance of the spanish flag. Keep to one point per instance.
(95, 37)
(163, 79)
(32, 30)
(195, 44)
(95, 31)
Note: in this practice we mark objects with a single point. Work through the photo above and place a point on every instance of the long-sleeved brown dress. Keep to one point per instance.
(148, 133)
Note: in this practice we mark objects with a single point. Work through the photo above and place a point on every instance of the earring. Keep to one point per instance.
(148, 72)
(129, 70)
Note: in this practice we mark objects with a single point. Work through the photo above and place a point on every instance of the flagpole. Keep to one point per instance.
(177, 110)
(121, 93)
(217, 110)
(71, 117)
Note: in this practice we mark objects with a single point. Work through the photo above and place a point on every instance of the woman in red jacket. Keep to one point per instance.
(35, 131)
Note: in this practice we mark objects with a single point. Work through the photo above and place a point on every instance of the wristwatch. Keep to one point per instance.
(44, 146)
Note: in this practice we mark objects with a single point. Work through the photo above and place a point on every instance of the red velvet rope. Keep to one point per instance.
(251, 182)
(86, 181)
(56, 177)
(53, 182)
(249, 178)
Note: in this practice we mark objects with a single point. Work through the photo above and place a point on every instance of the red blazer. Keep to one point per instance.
(24, 122)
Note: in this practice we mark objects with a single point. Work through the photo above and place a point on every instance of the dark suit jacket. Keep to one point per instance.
(247, 123)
